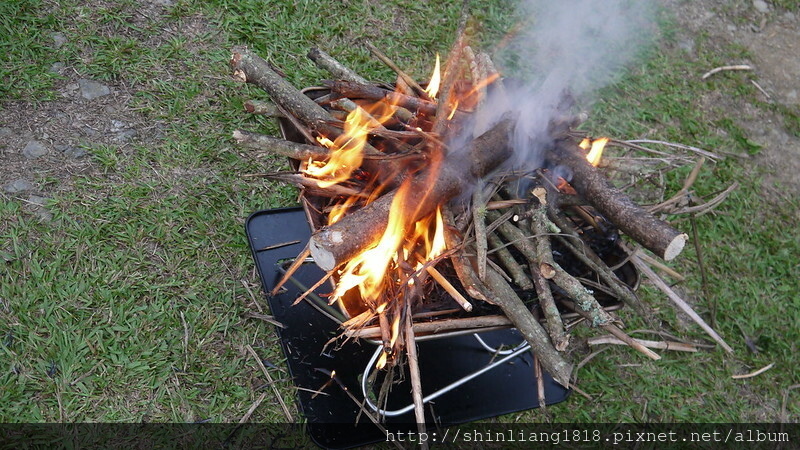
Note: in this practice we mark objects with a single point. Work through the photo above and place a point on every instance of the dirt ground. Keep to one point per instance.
(772, 37)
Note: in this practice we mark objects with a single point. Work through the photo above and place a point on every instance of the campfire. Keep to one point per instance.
(426, 220)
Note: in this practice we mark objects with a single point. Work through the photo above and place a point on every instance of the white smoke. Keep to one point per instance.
(567, 48)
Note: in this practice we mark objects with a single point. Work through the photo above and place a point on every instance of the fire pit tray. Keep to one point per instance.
(331, 417)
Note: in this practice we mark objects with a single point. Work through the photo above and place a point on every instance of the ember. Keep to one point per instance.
(413, 200)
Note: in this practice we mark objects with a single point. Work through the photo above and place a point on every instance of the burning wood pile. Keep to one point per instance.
(426, 220)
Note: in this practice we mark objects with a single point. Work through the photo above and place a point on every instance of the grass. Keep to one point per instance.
(127, 306)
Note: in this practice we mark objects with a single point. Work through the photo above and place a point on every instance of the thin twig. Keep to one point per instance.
(785, 400)
(679, 302)
(581, 392)
(699, 251)
(661, 266)
(754, 373)
(699, 210)
(413, 368)
(298, 261)
(758, 86)
(389, 63)
(724, 68)
(274, 246)
(699, 151)
(631, 342)
(460, 299)
(252, 296)
(264, 317)
(253, 408)
(662, 345)
(313, 288)
(271, 383)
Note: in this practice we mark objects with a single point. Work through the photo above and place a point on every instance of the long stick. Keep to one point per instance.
(585, 253)
(555, 326)
(516, 271)
(337, 69)
(294, 150)
(251, 68)
(662, 345)
(298, 261)
(416, 379)
(529, 327)
(564, 280)
(679, 302)
(440, 326)
(462, 263)
(370, 92)
(653, 233)
(478, 221)
(407, 78)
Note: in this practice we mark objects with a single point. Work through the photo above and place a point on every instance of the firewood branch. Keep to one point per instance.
(653, 233)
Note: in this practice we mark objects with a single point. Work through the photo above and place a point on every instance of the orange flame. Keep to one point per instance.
(597, 151)
(382, 361)
(436, 79)
(338, 211)
(373, 268)
(347, 152)
(367, 269)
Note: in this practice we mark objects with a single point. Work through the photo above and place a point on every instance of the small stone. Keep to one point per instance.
(91, 89)
(74, 152)
(44, 214)
(38, 201)
(34, 149)
(20, 185)
(761, 6)
(125, 136)
(117, 125)
(88, 131)
(57, 67)
(59, 39)
(5, 131)
(39, 207)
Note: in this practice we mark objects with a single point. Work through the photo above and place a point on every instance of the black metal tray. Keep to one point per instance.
(331, 417)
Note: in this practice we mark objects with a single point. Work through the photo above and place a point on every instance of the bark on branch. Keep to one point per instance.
(294, 150)
(646, 229)
(337, 69)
